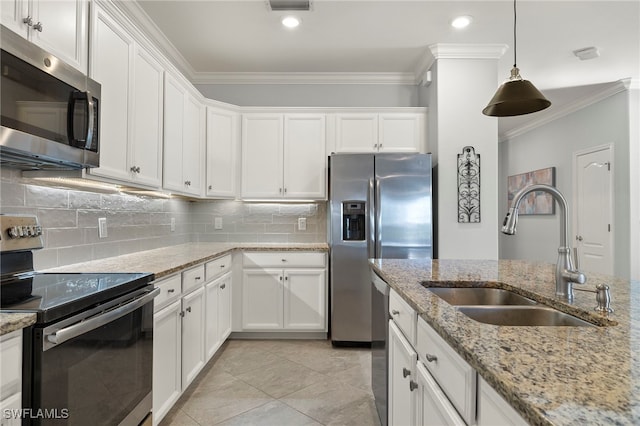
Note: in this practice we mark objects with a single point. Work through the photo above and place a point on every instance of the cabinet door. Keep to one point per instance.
(64, 30)
(193, 145)
(212, 325)
(400, 132)
(9, 406)
(262, 156)
(356, 132)
(193, 356)
(493, 410)
(167, 359)
(402, 361)
(111, 58)
(262, 299)
(222, 143)
(146, 120)
(305, 158)
(12, 15)
(174, 101)
(305, 299)
(224, 307)
(432, 406)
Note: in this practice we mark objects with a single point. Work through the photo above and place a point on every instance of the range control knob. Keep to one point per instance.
(13, 232)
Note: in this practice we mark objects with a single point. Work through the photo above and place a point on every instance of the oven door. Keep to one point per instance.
(96, 368)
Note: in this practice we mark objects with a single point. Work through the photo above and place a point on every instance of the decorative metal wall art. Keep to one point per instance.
(468, 186)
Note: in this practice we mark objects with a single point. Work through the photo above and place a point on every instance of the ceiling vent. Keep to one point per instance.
(283, 5)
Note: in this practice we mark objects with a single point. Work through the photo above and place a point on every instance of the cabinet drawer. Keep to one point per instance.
(283, 260)
(192, 278)
(217, 267)
(11, 354)
(403, 315)
(456, 378)
(170, 290)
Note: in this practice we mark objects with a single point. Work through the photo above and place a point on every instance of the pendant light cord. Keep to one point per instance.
(515, 43)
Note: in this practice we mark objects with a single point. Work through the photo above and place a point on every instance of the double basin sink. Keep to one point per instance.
(503, 307)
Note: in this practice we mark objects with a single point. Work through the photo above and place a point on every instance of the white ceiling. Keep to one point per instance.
(222, 39)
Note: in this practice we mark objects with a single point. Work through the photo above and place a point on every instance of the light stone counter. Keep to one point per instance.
(550, 375)
(168, 260)
(12, 321)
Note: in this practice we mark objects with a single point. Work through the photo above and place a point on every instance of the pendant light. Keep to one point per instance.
(515, 96)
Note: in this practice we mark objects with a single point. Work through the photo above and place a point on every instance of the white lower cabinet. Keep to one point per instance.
(402, 363)
(167, 359)
(11, 378)
(191, 321)
(430, 384)
(493, 410)
(275, 298)
(193, 356)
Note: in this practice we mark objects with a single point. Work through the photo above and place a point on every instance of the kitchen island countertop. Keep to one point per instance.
(550, 375)
(168, 260)
(10, 321)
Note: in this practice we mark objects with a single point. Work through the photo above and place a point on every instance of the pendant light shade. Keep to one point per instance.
(515, 96)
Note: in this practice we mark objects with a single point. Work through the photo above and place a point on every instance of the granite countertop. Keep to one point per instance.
(168, 260)
(161, 262)
(550, 375)
(12, 321)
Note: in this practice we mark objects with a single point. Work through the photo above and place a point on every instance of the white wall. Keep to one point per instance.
(553, 144)
(463, 87)
(313, 95)
(634, 167)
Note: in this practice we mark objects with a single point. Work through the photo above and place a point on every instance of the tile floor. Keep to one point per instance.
(280, 383)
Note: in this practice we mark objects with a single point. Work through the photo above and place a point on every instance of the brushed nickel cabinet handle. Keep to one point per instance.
(412, 385)
(431, 358)
(395, 312)
(406, 372)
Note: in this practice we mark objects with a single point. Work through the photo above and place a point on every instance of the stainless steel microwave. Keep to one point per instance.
(50, 111)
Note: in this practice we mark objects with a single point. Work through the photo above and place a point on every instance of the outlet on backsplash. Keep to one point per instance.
(173, 224)
(302, 224)
(217, 223)
(102, 227)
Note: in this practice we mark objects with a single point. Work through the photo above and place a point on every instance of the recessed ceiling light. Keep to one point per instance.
(290, 21)
(461, 21)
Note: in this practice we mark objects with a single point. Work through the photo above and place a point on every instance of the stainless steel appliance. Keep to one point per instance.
(88, 359)
(50, 111)
(380, 345)
(381, 207)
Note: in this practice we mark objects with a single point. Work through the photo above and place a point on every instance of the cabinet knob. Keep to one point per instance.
(285, 190)
(189, 309)
(431, 358)
(279, 190)
(405, 372)
(284, 260)
(375, 145)
(171, 290)
(412, 385)
(197, 278)
(28, 20)
(280, 278)
(38, 27)
(182, 314)
(222, 266)
(135, 169)
(223, 286)
(395, 312)
(210, 187)
(379, 145)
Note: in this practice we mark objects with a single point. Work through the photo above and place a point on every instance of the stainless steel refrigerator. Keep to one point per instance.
(381, 207)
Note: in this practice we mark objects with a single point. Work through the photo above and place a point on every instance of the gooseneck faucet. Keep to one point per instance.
(566, 273)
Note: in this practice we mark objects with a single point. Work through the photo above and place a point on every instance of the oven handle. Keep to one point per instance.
(67, 333)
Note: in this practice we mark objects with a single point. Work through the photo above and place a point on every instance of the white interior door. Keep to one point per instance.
(594, 210)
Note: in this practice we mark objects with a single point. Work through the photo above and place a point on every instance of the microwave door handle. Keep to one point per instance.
(91, 108)
(68, 333)
(89, 119)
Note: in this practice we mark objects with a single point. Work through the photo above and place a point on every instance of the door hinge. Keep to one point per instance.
(609, 166)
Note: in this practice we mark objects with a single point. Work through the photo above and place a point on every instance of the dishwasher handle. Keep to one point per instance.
(68, 333)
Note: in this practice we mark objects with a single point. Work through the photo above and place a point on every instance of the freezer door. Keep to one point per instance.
(351, 186)
(403, 212)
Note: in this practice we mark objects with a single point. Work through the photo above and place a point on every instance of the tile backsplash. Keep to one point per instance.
(69, 218)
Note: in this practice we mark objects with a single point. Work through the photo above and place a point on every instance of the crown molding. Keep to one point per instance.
(144, 23)
(634, 84)
(467, 51)
(303, 78)
(583, 102)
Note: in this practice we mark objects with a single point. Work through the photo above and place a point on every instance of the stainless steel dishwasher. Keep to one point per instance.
(379, 344)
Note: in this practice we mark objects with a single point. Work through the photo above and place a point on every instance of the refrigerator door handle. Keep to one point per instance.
(378, 224)
(371, 238)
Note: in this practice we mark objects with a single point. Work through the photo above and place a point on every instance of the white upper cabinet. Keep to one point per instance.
(59, 27)
(283, 156)
(111, 44)
(184, 133)
(380, 132)
(131, 105)
(222, 146)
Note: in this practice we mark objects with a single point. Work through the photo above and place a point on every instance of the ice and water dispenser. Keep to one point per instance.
(353, 221)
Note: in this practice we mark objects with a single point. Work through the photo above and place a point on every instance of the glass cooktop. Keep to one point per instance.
(53, 296)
